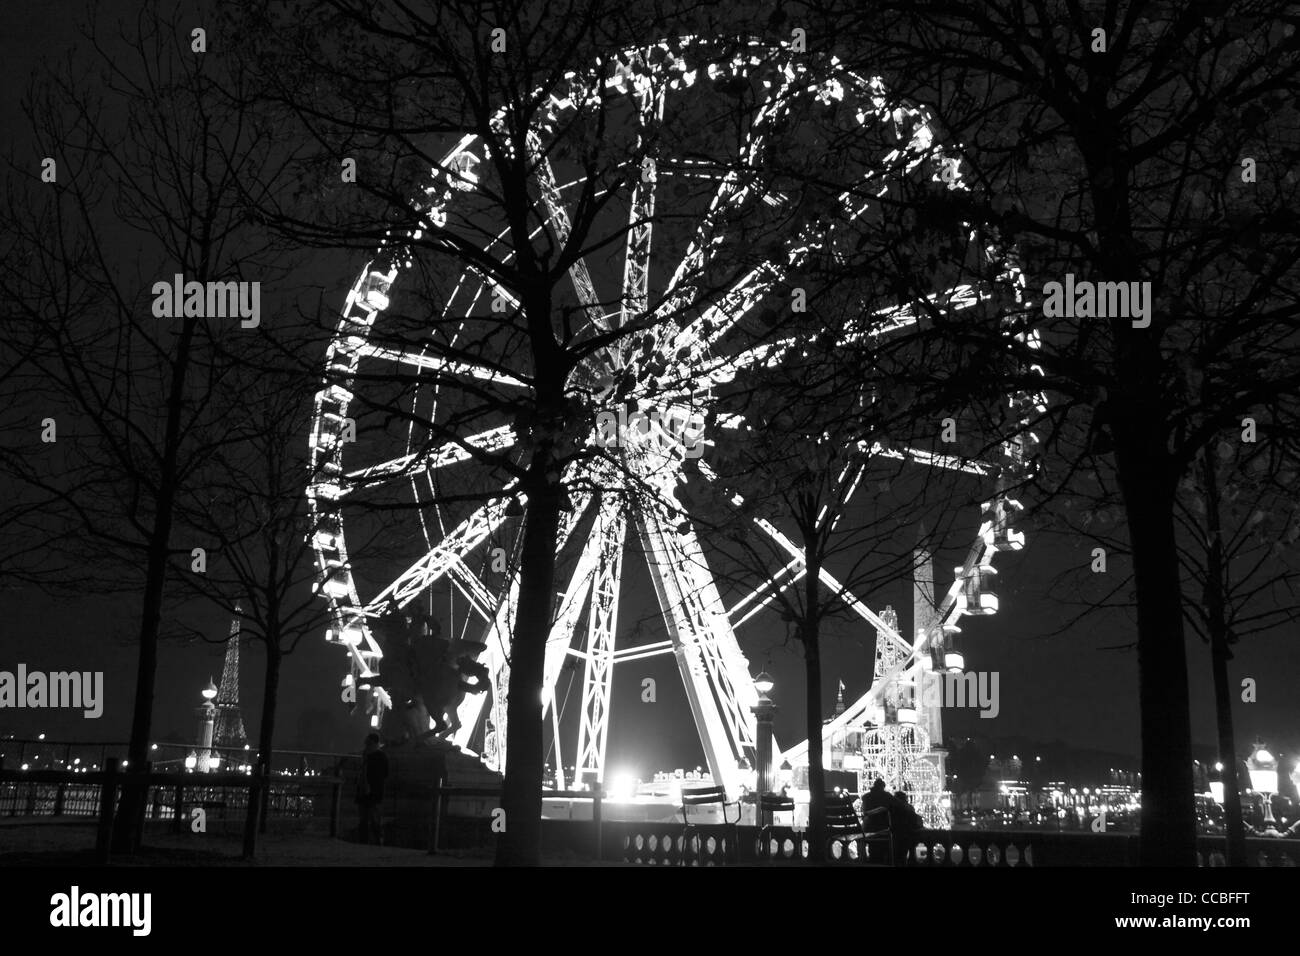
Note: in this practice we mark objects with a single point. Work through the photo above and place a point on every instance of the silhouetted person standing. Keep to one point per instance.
(370, 790)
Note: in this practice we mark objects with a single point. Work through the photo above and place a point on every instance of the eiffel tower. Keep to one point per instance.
(229, 729)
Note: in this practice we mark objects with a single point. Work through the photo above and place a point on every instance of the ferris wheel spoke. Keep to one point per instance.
(635, 297)
(564, 627)
(920, 456)
(795, 556)
(835, 587)
(732, 191)
(713, 324)
(765, 593)
(449, 453)
(472, 589)
(875, 324)
(694, 343)
(560, 225)
(460, 541)
(444, 367)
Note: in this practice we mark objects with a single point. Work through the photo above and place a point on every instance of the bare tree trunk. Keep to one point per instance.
(1234, 822)
(811, 634)
(266, 731)
(1147, 478)
(1168, 805)
(126, 834)
(816, 772)
(521, 791)
(1219, 657)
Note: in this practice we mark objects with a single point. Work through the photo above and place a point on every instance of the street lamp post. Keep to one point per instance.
(1263, 777)
(207, 713)
(763, 711)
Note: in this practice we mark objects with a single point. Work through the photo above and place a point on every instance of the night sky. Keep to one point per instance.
(1063, 687)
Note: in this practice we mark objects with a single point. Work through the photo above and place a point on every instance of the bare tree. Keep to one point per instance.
(247, 509)
(145, 184)
(1136, 149)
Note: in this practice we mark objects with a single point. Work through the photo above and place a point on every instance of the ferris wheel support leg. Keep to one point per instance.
(597, 682)
(559, 753)
(715, 673)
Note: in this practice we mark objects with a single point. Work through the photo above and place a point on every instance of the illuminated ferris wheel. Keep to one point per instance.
(687, 347)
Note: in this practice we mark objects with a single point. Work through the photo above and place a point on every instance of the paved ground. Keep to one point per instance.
(47, 843)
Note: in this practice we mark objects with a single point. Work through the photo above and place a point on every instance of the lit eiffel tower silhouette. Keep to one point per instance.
(229, 729)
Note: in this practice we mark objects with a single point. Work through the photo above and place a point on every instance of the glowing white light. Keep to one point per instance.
(338, 585)
(622, 788)
(1263, 781)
